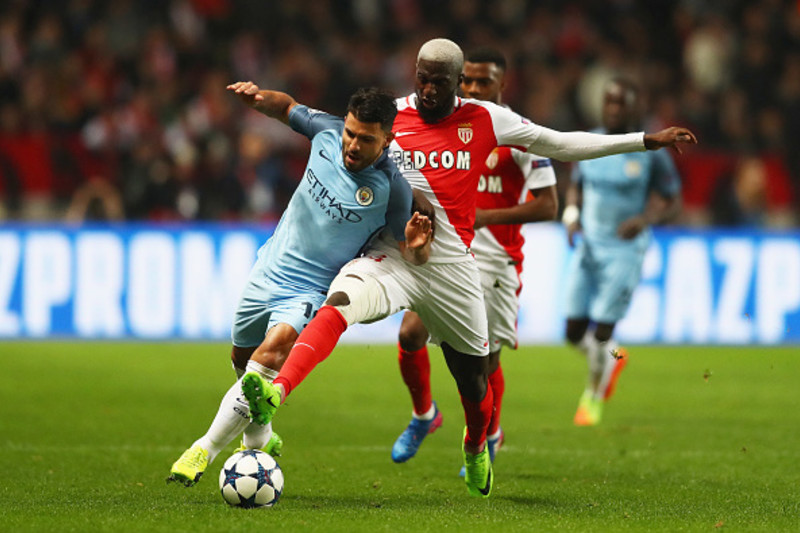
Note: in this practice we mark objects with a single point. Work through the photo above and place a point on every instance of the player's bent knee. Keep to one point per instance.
(360, 299)
(338, 299)
(412, 337)
(575, 330)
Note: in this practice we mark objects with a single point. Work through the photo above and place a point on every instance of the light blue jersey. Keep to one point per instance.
(331, 218)
(605, 269)
(617, 187)
(334, 213)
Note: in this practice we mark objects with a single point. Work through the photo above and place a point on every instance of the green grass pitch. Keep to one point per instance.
(696, 439)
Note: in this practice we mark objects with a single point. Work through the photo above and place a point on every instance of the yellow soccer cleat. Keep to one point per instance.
(189, 467)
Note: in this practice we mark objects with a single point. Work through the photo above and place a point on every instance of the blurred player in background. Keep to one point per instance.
(514, 188)
(350, 191)
(612, 201)
(440, 145)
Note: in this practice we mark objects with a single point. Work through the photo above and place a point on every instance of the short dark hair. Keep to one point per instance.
(486, 54)
(371, 104)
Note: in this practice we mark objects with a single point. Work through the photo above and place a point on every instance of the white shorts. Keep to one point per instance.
(501, 287)
(447, 296)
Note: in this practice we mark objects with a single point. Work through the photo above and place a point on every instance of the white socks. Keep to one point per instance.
(233, 418)
(425, 416)
(606, 353)
(266, 372)
(257, 436)
(599, 356)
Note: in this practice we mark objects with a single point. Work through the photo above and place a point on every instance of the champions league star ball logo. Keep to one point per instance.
(364, 196)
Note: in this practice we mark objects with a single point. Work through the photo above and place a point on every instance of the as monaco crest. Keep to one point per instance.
(465, 134)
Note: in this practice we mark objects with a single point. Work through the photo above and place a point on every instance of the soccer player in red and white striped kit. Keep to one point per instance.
(441, 142)
(515, 187)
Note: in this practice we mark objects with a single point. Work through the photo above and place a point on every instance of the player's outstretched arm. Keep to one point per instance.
(669, 138)
(417, 247)
(577, 145)
(274, 104)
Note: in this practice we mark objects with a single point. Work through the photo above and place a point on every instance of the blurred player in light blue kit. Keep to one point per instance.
(612, 200)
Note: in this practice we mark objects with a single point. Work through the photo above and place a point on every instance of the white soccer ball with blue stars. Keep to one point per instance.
(251, 478)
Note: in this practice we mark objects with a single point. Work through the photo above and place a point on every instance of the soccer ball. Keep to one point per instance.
(251, 478)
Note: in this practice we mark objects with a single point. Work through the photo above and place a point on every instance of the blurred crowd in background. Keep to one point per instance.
(118, 110)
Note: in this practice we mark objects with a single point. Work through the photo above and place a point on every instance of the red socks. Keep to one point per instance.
(497, 382)
(477, 415)
(415, 368)
(313, 346)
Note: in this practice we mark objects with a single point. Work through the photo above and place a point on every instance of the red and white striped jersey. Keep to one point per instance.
(445, 161)
(506, 178)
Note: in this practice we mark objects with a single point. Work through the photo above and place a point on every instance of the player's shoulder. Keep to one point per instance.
(385, 165)
(304, 117)
(471, 105)
(521, 156)
(405, 103)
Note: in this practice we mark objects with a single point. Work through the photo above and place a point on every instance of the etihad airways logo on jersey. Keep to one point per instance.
(419, 160)
(328, 203)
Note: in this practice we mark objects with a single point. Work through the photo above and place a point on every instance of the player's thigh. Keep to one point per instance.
(620, 272)
(501, 286)
(579, 287)
(295, 308)
(264, 304)
(453, 309)
(377, 285)
(252, 313)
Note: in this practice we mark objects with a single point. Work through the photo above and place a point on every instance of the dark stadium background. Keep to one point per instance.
(124, 100)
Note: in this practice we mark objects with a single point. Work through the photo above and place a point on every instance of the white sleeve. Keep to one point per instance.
(578, 145)
(513, 130)
(538, 171)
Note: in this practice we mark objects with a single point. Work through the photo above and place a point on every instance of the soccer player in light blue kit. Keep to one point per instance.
(349, 193)
(621, 196)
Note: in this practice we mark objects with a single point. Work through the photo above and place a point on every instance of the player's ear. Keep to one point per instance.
(389, 139)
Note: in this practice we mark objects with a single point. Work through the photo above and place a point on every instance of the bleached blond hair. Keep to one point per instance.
(442, 51)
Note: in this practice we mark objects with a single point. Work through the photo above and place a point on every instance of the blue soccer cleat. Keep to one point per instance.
(409, 441)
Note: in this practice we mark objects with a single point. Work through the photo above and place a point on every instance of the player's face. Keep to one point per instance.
(619, 109)
(362, 143)
(483, 81)
(435, 86)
